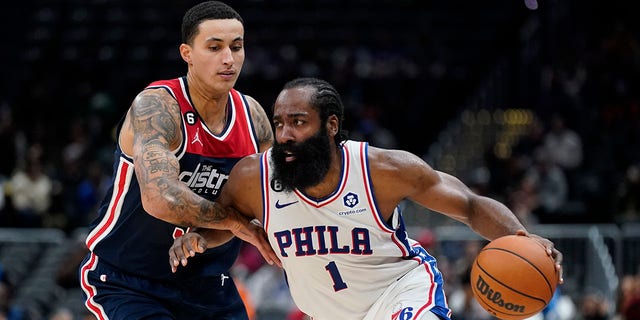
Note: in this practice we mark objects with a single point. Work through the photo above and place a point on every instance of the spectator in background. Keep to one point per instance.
(75, 155)
(463, 303)
(632, 311)
(628, 196)
(594, 307)
(61, 313)
(560, 307)
(564, 145)
(550, 186)
(31, 190)
(523, 200)
(629, 297)
(533, 139)
(90, 190)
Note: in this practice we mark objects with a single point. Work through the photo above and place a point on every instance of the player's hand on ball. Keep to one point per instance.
(185, 247)
(551, 251)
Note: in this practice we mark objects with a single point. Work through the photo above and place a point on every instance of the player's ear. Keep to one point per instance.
(185, 52)
(332, 124)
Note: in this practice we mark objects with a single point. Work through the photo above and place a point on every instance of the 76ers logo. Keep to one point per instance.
(402, 313)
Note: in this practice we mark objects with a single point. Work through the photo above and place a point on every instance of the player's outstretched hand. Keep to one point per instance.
(185, 247)
(252, 232)
(551, 251)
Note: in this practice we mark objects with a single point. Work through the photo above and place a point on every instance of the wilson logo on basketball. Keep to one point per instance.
(495, 297)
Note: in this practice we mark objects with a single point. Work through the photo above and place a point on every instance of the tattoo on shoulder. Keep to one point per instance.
(155, 127)
(155, 116)
(262, 124)
(263, 131)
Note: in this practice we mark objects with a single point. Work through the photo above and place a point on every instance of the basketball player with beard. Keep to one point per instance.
(330, 209)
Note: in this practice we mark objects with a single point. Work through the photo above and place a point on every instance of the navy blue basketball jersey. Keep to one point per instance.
(127, 237)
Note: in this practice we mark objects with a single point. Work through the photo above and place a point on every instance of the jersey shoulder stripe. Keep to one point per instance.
(123, 178)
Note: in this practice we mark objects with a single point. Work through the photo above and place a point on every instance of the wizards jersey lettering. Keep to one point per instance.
(206, 179)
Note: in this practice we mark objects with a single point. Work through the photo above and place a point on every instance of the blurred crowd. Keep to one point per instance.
(580, 155)
(579, 160)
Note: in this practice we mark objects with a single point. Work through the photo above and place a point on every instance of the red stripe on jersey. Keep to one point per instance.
(114, 205)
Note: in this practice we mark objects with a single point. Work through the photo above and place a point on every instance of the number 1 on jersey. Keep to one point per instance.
(338, 284)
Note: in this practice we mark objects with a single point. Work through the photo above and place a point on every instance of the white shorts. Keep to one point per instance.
(411, 298)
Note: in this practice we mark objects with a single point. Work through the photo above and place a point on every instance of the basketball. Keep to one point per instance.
(512, 277)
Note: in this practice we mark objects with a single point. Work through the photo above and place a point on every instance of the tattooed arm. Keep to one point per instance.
(261, 124)
(150, 133)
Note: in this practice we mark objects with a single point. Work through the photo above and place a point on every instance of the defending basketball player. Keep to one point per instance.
(176, 147)
(330, 210)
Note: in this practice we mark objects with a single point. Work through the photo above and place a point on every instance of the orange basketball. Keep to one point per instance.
(513, 277)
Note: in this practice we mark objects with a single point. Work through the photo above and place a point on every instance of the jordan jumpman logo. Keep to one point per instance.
(196, 138)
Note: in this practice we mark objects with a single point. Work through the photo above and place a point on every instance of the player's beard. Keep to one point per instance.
(311, 164)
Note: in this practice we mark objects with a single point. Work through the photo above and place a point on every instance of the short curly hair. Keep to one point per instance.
(208, 10)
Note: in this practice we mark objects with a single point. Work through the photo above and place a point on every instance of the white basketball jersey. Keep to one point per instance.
(338, 248)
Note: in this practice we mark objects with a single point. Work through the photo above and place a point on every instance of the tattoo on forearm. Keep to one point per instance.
(157, 164)
(206, 211)
(156, 158)
(212, 212)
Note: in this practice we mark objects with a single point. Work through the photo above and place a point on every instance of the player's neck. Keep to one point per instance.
(213, 112)
(329, 183)
(207, 99)
(210, 104)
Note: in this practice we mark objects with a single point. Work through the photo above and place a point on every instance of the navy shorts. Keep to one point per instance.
(110, 293)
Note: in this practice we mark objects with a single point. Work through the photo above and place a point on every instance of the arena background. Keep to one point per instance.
(473, 87)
